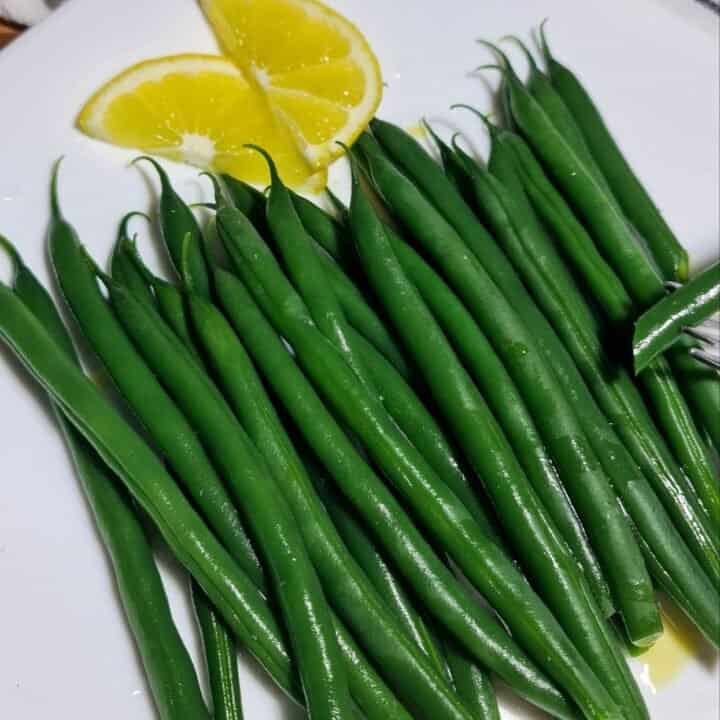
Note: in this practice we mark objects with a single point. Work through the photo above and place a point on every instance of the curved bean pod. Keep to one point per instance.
(660, 326)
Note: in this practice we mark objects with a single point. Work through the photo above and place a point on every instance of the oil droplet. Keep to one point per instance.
(418, 131)
(665, 660)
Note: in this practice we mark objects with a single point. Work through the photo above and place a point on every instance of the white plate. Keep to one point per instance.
(652, 65)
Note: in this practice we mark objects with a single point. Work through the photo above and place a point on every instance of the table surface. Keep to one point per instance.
(8, 32)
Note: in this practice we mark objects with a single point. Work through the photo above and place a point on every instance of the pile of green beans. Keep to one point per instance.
(349, 426)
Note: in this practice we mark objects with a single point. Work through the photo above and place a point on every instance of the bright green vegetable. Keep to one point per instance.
(614, 236)
(490, 454)
(440, 510)
(123, 267)
(219, 650)
(472, 685)
(347, 588)
(361, 315)
(541, 88)
(616, 393)
(248, 200)
(626, 187)
(700, 383)
(660, 326)
(379, 573)
(497, 386)
(220, 658)
(169, 301)
(422, 429)
(576, 243)
(529, 248)
(169, 670)
(501, 394)
(229, 589)
(594, 497)
(403, 544)
(266, 512)
(242, 606)
(302, 262)
(702, 389)
(326, 231)
(176, 221)
(167, 426)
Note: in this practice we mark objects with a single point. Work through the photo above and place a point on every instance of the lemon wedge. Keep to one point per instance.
(315, 68)
(298, 79)
(198, 109)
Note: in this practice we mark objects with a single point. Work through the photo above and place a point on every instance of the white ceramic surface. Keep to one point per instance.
(652, 65)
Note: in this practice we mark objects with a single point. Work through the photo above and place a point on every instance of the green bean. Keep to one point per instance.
(373, 697)
(266, 511)
(475, 688)
(326, 231)
(626, 187)
(221, 660)
(347, 588)
(170, 673)
(162, 419)
(624, 407)
(301, 260)
(599, 210)
(491, 456)
(580, 330)
(442, 512)
(576, 243)
(123, 267)
(425, 573)
(368, 690)
(358, 311)
(227, 586)
(615, 391)
(660, 326)
(615, 237)
(176, 220)
(541, 88)
(167, 298)
(399, 398)
(558, 216)
(542, 386)
(523, 240)
(702, 389)
(500, 392)
(423, 431)
(380, 574)
(247, 614)
(80, 279)
(245, 198)
(596, 501)
(472, 685)
(361, 316)
(701, 384)
(219, 650)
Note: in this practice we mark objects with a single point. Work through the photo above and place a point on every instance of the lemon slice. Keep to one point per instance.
(199, 109)
(315, 68)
